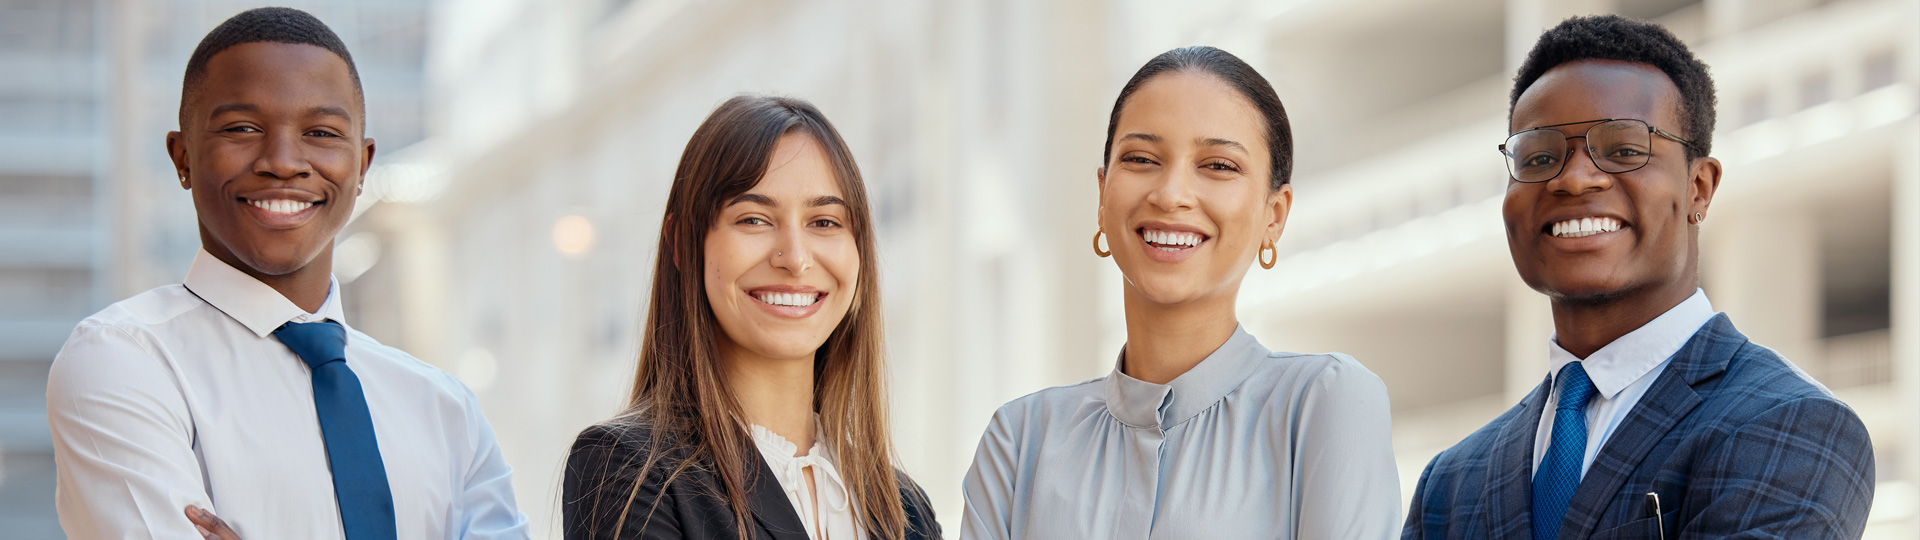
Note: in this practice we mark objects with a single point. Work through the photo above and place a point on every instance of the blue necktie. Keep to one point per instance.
(359, 476)
(1559, 473)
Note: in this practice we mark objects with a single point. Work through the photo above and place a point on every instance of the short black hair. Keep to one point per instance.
(271, 25)
(1236, 73)
(1611, 37)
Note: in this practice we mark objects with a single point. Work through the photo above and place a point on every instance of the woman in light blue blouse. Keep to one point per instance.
(1199, 431)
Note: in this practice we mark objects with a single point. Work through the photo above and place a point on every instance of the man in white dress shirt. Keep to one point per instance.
(242, 391)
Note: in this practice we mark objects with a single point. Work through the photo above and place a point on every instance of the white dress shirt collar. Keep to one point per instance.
(254, 304)
(1632, 356)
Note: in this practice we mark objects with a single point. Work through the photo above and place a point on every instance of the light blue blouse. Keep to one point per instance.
(1248, 444)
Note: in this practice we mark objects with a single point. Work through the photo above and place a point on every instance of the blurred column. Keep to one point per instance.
(1765, 273)
(1077, 81)
(1529, 326)
(1526, 19)
(121, 190)
(1906, 310)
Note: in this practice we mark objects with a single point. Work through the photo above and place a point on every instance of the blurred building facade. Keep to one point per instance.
(90, 212)
(511, 245)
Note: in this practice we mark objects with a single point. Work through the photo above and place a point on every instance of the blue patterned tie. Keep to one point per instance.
(1559, 473)
(359, 476)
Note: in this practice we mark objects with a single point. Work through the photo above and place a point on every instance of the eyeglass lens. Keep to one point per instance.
(1615, 146)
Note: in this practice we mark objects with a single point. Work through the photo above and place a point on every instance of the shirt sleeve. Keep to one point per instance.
(1346, 482)
(122, 439)
(989, 485)
(486, 504)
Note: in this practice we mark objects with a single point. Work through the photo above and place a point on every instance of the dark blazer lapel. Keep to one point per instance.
(1509, 494)
(770, 506)
(1668, 401)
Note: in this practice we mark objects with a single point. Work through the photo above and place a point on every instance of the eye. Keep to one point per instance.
(1135, 159)
(1541, 159)
(322, 133)
(826, 223)
(1219, 166)
(753, 220)
(242, 129)
(1627, 151)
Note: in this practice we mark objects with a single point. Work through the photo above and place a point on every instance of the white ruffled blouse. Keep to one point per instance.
(831, 515)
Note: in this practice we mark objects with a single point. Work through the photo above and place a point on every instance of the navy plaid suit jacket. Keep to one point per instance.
(1737, 442)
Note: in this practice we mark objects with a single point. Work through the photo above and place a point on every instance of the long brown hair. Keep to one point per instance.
(680, 392)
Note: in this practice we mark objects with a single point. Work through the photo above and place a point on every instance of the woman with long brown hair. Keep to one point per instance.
(759, 405)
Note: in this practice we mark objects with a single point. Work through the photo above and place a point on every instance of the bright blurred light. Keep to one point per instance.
(478, 369)
(355, 255)
(414, 182)
(573, 236)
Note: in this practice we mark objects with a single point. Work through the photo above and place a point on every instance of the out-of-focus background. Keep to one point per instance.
(526, 148)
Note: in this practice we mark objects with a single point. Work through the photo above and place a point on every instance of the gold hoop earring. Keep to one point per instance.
(1264, 250)
(1096, 243)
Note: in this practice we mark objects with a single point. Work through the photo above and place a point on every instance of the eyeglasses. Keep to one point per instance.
(1615, 145)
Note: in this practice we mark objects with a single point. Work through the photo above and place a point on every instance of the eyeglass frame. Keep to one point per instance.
(1654, 130)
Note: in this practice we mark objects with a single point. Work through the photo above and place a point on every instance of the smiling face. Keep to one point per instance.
(1591, 237)
(1185, 199)
(782, 263)
(273, 151)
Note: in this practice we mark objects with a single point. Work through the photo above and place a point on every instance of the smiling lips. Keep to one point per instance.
(789, 299)
(1582, 227)
(1165, 240)
(281, 206)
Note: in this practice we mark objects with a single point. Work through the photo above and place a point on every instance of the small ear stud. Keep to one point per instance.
(1699, 218)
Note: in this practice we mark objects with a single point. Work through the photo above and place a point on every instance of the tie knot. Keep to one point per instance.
(316, 343)
(1575, 387)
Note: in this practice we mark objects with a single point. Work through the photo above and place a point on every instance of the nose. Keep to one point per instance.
(282, 156)
(1581, 175)
(791, 252)
(1175, 191)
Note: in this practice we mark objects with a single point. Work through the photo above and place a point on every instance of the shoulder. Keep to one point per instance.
(1332, 374)
(1050, 404)
(1761, 388)
(1471, 454)
(921, 522)
(121, 343)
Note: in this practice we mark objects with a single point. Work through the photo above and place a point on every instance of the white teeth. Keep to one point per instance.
(1172, 238)
(1576, 228)
(281, 206)
(788, 299)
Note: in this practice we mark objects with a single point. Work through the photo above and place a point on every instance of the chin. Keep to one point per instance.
(277, 260)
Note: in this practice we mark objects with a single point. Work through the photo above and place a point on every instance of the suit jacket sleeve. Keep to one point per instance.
(122, 439)
(606, 495)
(1803, 469)
(1416, 512)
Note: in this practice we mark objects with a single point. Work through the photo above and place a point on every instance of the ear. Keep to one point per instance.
(366, 162)
(177, 151)
(1281, 202)
(1704, 181)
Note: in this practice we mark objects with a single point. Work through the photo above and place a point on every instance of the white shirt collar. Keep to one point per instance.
(1625, 360)
(254, 304)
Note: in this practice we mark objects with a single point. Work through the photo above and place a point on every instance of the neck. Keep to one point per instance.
(1583, 326)
(1166, 340)
(775, 393)
(306, 287)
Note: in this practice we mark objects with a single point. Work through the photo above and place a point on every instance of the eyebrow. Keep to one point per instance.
(1223, 142)
(322, 110)
(823, 200)
(1139, 136)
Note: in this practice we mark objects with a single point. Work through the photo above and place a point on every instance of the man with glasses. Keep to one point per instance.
(1656, 418)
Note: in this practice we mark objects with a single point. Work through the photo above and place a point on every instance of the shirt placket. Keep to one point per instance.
(1138, 502)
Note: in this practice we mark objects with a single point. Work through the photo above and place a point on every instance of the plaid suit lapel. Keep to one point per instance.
(1669, 400)
(1509, 493)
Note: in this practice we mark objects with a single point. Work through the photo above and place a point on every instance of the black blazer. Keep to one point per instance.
(606, 461)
